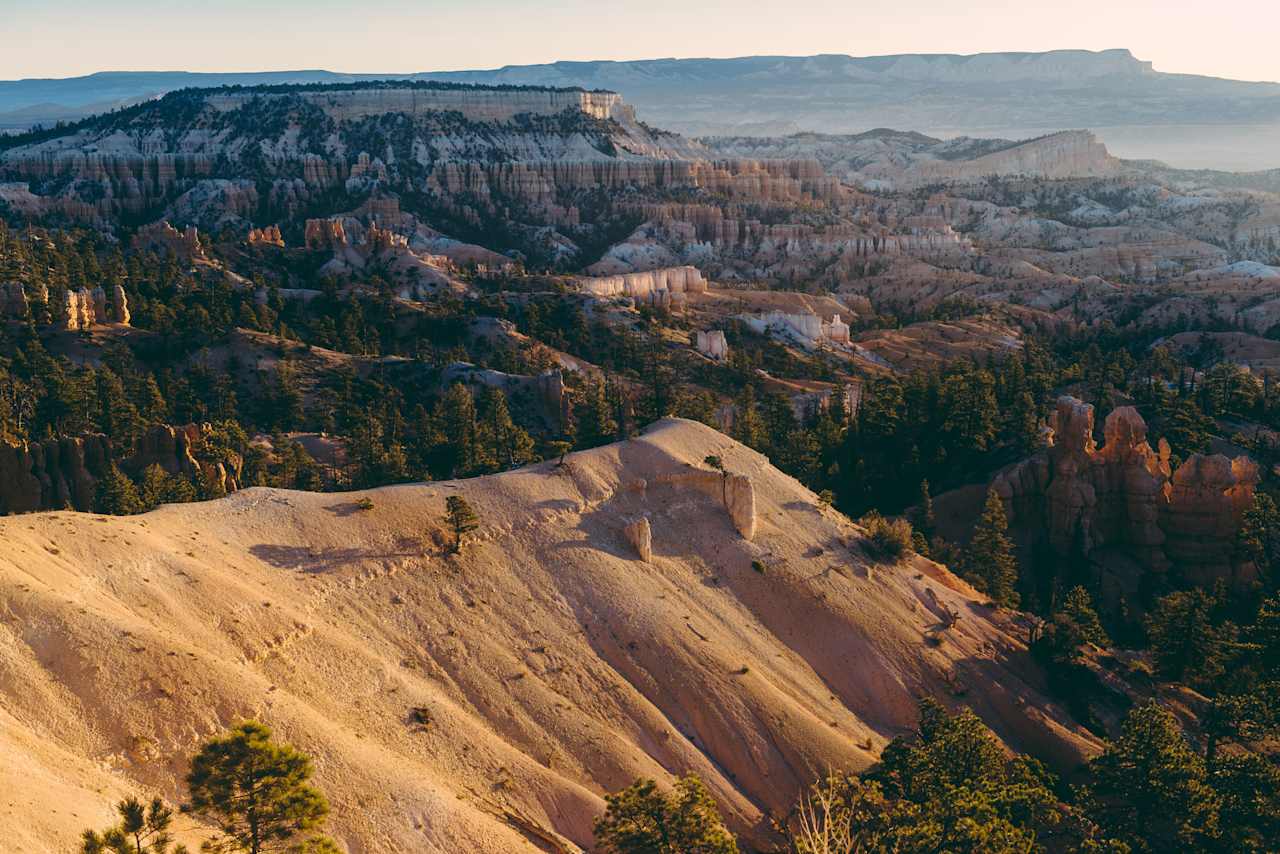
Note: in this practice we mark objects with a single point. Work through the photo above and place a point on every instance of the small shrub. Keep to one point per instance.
(889, 538)
(365, 503)
(757, 566)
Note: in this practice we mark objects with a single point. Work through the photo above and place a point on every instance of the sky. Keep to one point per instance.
(67, 38)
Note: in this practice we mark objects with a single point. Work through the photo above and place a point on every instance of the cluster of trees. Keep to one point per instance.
(952, 786)
(255, 791)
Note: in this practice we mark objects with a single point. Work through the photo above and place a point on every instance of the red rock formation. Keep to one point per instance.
(163, 237)
(1207, 498)
(63, 473)
(324, 234)
(53, 475)
(269, 236)
(1123, 495)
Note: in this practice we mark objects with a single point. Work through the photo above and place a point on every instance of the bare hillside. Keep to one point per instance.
(553, 663)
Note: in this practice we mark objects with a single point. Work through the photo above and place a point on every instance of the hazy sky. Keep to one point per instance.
(63, 38)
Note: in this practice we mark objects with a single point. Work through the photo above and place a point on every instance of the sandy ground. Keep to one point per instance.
(553, 664)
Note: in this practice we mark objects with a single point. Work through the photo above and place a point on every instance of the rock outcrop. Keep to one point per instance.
(810, 330)
(1207, 498)
(63, 473)
(640, 535)
(712, 343)
(648, 286)
(53, 475)
(269, 236)
(163, 237)
(734, 491)
(87, 308)
(1123, 497)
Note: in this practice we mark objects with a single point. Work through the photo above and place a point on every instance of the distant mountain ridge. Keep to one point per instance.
(1012, 95)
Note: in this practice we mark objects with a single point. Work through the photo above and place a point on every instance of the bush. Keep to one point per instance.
(891, 538)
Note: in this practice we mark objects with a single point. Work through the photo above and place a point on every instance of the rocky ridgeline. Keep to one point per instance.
(469, 147)
(882, 159)
(63, 473)
(496, 105)
(1069, 154)
(1124, 497)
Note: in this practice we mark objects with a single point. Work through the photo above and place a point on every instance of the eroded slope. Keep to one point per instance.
(554, 664)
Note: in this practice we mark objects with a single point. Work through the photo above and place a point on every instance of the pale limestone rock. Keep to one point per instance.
(640, 535)
(163, 237)
(120, 305)
(712, 343)
(805, 328)
(675, 280)
(735, 492)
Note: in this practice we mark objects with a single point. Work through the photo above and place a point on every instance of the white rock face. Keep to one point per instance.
(677, 280)
(806, 329)
(712, 343)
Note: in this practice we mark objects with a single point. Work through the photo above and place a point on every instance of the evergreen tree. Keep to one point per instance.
(1072, 626)
(507, 443)
(1184, 640)
(1024, 423)
(1150, 790)
(143, 829)
(456, 414)
(925, 520)
(748, 426)
(1258, 539)
(990, 558)
(643, 820)
(950, 787)
(257, 793)
(1187, 429)
(594, 417)
(461, 518)
(117, 495)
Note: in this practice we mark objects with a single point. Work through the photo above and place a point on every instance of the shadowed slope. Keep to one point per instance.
(553, 664)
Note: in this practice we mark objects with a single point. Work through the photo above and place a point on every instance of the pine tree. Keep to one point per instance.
(507, 443)
(1150, 789)
(926, 522)
(595, 423)
(117, 496)
(457, 416)
(643, 820)
(1184, 640)
(461, 518)
(257, 793)
(748, 426)
(142, 830)
(990, 554)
